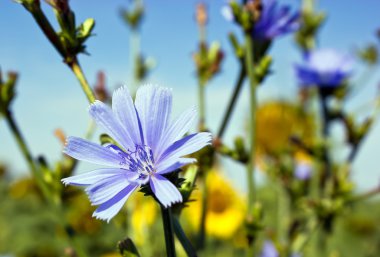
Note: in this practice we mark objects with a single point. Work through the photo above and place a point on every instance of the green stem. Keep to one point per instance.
(232, 102)
(46, 28)
(168, 231)
(75, 67)
(252, 97)
(302, 240)
(26, 153)
(202, 224)
(202, 111)
(186, 244)
(52, 36)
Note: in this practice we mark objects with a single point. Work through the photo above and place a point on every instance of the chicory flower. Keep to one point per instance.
(303, 171)
(148, 147)
(275, 20)
(324, 68)
(269, 250)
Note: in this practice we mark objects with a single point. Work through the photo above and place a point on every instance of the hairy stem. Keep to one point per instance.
(167, 220)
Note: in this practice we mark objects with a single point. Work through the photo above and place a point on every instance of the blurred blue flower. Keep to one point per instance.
(275, 20)
(269, 250)
(149, 146)
(324, 68)
(303, 171)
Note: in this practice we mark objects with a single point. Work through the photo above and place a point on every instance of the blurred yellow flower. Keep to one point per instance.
(143, 215)
(277, 121)
(226, 209)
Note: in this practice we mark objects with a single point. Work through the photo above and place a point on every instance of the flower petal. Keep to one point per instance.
(109, 209)
(184, 146)
(106, 189)
(104, 117)
(84, 150)
(169, 167)
(164, 190)
(153, 105)
(176, 130)
(125, 111)
(89, 178)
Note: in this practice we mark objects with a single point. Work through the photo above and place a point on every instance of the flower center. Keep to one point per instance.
(139, 161)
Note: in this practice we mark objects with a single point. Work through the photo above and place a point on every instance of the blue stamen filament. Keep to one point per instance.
(140, 160)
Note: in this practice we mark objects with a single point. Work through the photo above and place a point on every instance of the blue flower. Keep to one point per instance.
(269, 250)
(324, 68)
(303, 171)
(274, 21)
(148, 147)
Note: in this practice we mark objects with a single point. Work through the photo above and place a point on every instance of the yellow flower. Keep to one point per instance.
(225, 212)
(279, 120)
(143, 215)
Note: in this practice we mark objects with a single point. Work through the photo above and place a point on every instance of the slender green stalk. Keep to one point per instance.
(186, 244)
(252, 129)
(232, 102)
(52, 36)
(252, 97)
(46, 28)
(167, 220)
(134, 55)
(202, 224)
(202, 109)
(75, 67)
(16, 132)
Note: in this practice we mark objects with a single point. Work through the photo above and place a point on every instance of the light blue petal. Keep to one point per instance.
(124, 110)
(84, 150)
(89, 178)
(184, 146)
(164, 190)
(176, 130)
(104, 117)
(109, 209)
(107, 188)
(153, 105)
(169, 167)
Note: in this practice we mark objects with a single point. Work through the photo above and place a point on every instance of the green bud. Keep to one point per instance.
(7, 91)
(188, 185)
(134, 17)
(85, 29)
(106, 139)
(263, 68)
(239, 50)
(369, 54)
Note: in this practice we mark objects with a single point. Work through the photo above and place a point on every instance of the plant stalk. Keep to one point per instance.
(232, 102)
(77, 70)
(186, 244)
(249, 63)
(167, 220)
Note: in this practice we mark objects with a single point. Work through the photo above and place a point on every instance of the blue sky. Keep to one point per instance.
(49, 95)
